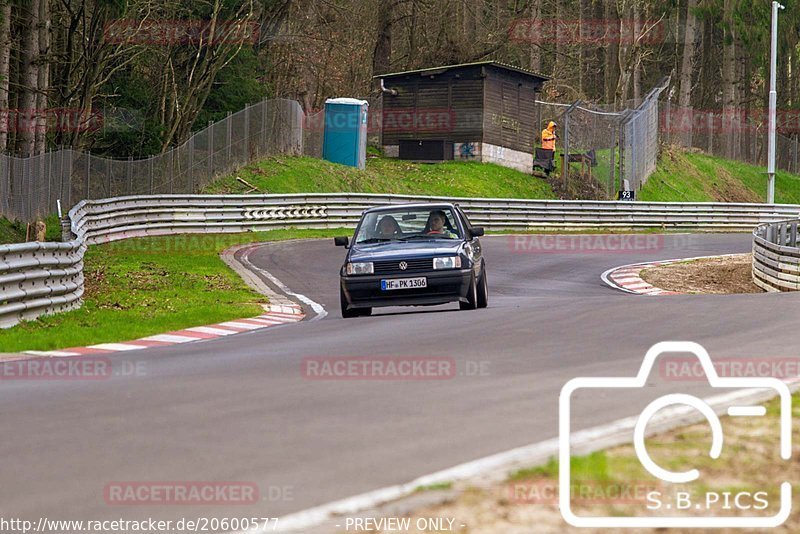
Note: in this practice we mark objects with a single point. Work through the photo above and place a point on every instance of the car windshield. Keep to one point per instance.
(405, 224)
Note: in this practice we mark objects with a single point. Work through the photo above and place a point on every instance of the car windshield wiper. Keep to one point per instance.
(433, 236)
(374, 240)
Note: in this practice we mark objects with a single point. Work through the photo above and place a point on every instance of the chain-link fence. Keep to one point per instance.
(30, 187)
(606, 150)
(602, 149)
(640, 140)
(739, 135)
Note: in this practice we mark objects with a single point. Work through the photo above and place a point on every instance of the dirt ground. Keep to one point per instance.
(749, 463)
(718, 276)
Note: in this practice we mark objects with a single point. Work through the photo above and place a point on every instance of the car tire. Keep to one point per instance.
(347, 314)
(483, 290)
(472, 296)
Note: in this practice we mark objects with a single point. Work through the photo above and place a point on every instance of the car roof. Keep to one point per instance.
(417, 205)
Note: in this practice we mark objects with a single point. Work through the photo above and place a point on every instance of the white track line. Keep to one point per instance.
(318, 309)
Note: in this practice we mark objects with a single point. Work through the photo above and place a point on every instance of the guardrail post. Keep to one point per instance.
(66, 229)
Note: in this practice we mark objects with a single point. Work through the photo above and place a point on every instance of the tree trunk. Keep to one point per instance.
(535, 52)
(29, 81)
(5, 63)
(381, 58)
(637, 57)
(728, 78)
(685, 89)
(610, 53)
(43, 77)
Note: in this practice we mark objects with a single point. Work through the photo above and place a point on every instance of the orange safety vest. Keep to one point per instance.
(548, 139)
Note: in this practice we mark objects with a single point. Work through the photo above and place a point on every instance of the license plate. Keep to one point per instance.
(404, 283)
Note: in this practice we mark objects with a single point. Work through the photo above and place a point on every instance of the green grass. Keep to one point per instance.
(140, 287)
(287, 174)
(441, 486)
(696, 177)
(14, 232)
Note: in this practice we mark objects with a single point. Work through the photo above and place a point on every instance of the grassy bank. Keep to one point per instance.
(384, 175)
(146, 286)
(14, 232)
(695, 177)
(680, 177)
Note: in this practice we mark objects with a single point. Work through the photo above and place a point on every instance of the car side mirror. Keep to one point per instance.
(341, 241)
(477, 231)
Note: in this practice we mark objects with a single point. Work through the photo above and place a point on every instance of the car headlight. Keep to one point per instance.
(448, 262)
(360, 268)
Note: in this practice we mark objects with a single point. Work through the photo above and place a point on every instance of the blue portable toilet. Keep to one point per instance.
(345, 133)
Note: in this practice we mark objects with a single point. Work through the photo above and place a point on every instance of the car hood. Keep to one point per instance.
(397, 250)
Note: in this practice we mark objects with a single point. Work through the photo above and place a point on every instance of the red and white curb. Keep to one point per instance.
(626, 278)
(276, 315)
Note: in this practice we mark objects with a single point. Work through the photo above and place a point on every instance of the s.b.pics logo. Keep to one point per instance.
(687, 496)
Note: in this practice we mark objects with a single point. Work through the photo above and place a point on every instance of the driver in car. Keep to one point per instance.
(388, 228)
(436, 227)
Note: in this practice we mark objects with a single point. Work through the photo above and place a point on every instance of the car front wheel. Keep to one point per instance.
(472, 296)
(483, 290)
(357, 312)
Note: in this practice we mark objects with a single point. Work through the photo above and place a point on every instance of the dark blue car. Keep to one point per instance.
(413, 255)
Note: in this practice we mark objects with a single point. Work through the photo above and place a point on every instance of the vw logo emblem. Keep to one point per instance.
(403, 266)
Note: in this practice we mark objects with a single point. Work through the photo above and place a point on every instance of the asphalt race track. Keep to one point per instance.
(240, 409)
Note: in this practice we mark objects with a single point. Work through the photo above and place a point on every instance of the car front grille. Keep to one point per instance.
(412, 266)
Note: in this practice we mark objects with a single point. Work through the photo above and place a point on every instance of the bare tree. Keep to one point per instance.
(5, 73)
(29, 81)
(687, 65)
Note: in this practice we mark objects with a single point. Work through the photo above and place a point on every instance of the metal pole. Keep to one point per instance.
(190, 169)
(210, 150)
(565, 158)
(565, 151)
(228, 140)
(773, 95)
(246, 132)
(129, 174)
(88, 168)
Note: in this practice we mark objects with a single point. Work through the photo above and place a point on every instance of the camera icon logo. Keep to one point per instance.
(638, 438)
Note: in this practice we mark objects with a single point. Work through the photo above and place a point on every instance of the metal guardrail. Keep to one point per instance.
(776, 256)
(40, 278)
